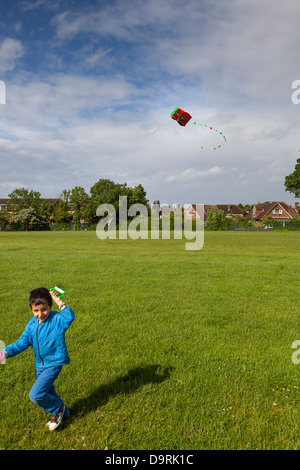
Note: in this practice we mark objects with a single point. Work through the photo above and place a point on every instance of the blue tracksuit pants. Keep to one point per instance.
(43, 392)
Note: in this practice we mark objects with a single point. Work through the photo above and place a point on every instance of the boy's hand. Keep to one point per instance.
(54, 294)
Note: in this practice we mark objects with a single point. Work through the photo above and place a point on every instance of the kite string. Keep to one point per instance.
(216, 130)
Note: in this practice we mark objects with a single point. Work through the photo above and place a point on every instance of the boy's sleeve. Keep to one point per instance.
(67, 316)
(20, 345)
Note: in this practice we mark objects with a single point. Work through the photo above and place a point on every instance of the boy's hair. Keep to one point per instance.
(40, 296)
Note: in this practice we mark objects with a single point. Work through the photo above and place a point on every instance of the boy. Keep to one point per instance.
(45, 332)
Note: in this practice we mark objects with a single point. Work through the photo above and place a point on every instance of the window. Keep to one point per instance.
(277, 211)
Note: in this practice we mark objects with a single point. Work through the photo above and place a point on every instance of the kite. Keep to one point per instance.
(182, 117)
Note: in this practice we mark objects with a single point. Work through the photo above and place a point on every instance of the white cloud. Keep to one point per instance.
(10, 51)
(122, 20)
(39, 106)
(248, 51)
(235, 50)
(99, 54)
(230, 64)
(193, 174)
(69, 126)
(28, 5)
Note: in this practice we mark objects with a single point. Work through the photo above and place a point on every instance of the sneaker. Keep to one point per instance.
(56, 419)
(53, 418)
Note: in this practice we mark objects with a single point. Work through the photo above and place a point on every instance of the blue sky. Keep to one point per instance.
(90, 87)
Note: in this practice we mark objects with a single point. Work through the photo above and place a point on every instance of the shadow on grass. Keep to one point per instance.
(133, 380)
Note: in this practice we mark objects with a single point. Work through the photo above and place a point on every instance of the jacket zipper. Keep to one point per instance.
(37, 340)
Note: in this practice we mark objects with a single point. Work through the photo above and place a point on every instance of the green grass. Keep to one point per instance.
(170, 349)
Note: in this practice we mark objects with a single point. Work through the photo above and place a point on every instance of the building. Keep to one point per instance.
(229, 209)
(275, 210)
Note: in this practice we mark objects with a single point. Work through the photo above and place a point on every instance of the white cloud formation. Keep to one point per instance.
(236, 49)
(10, 51)
(28, 5)
(231, 64)
(96, 56)
(194, 174)
(69, 126)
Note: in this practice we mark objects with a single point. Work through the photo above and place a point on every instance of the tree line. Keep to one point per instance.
(26, 209)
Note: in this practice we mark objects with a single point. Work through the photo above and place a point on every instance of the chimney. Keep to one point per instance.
(296, 206)
(229, 206)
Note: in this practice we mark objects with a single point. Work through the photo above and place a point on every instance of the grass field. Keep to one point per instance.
(170, 349)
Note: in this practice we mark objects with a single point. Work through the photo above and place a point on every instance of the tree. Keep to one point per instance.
(137, 195)
(106, 191)
(4, 219)
(240, 220)
(45, 212)
(27, 217)
(292, 181)
(271, 222)
(22, 198)
(79, 199)
(216, 220)
(246, 207)
(62, 213)
(38, 213)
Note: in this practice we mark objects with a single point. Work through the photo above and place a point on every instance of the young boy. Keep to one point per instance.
(45, 332)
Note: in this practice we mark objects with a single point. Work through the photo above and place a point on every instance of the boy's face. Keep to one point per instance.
(41, 311)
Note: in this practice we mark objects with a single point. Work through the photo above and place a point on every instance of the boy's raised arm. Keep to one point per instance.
(67, 313)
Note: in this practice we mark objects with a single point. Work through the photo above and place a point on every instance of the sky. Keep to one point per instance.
(90, 87)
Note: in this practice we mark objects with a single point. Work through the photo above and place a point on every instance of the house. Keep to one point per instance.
(229, 209)
(232, 209)
(3, 203)
(274, 209)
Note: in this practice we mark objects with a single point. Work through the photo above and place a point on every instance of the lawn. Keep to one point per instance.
(170, 349)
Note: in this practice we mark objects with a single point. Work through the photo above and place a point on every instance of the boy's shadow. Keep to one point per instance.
(134, 379)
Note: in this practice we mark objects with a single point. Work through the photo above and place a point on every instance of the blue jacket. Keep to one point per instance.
(47, 339)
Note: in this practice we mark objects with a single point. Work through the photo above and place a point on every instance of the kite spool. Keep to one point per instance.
(59, 290)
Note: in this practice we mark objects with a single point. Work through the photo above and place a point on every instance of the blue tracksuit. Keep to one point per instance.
(47, 339)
